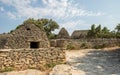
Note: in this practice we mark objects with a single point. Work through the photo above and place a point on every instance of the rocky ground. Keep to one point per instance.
(95, 62)
(91, 62)
(83, 62)
(26, 72)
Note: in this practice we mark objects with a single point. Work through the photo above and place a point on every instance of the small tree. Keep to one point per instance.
(113, 34)
(105, 30)
(105, 33)
(118, 31)
(118, 28)
(47, 25)
(91, 32)
(98, 31)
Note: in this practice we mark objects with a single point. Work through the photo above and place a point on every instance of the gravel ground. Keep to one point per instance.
(95, 62)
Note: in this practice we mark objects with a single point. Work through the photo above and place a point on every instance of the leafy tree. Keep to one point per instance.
(93, 28)
(94, 32)
(118, 31)
(98, 32)
(50, 26)
(118, 28)
(105, 33)
(35, 22)
(53, 36)
(113, 34)
(105, 30)
(47, 25)
(91, 32)
(29, 21)
(98, 29)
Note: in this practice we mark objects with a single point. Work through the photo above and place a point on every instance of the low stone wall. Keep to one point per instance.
(85, 43)
(109, 42)
(58, 43)
(21, 59)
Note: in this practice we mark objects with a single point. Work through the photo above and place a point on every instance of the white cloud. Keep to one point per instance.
(12, 16)
(55, 8)
(44, 1)
(2, 9)
(74, 25)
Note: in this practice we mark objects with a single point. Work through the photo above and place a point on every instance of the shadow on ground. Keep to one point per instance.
(99, 62)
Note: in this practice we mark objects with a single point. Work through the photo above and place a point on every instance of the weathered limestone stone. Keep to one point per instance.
(30, 58)
(23, 37)
(63, 34)
(65, 70)
(90, 43)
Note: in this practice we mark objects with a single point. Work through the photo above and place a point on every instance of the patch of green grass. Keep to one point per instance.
(51, 65)
(84, 45)
(70, 47)
(100, 46)
(7, 69)
(30, 67)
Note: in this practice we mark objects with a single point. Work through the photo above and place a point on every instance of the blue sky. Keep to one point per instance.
(71, 14)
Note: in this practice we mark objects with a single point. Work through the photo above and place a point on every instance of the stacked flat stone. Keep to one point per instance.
(21, 59)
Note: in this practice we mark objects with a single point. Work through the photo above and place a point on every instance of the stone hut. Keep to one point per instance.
(63, 34)
(25, 36)
(77, 34)
(61, 40)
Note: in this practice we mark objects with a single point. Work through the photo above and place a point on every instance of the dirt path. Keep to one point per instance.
(95, 62)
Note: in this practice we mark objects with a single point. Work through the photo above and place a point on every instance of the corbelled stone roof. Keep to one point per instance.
(23, 35)
(77, 34)
(63, 34)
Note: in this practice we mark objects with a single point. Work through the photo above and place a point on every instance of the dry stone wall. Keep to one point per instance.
(21, 59)
(85, 43)
(59, 43)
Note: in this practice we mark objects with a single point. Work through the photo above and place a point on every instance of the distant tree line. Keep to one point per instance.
(99, 32)
(49, 25)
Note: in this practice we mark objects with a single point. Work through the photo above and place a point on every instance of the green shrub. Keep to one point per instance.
(51, 65)
(11, 31)
(7, 69)
(100, 46)
(85, 45)
(31, 67)
(18, 27)
(70, 46)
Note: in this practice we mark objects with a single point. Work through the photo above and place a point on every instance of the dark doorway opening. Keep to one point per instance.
(28, 28)
(34, 44)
